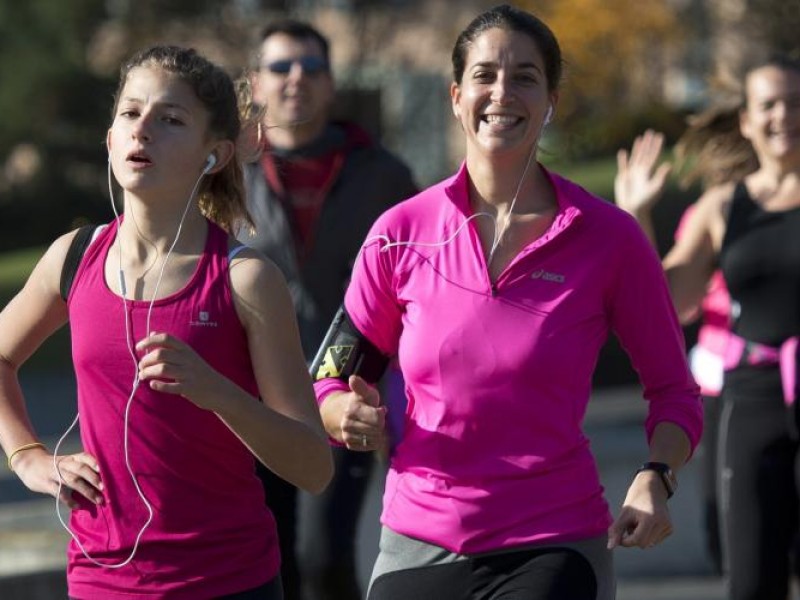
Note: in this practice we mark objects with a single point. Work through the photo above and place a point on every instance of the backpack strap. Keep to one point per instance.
(78, 246)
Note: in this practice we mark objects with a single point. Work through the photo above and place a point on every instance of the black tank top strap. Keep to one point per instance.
(740, 214)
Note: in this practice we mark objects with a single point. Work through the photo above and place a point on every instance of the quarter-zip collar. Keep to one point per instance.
(569, 211)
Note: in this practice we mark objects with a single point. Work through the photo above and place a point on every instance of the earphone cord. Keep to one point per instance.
(498, 234)
(134, 385)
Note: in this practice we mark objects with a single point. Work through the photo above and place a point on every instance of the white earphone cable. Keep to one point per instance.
(134, 385)
(507, 221)
(498, 233)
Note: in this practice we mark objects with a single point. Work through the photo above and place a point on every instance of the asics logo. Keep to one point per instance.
(547, 276)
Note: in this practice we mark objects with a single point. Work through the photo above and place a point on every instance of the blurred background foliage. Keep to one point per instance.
(50, 101)
(629, 66)
(614, 85)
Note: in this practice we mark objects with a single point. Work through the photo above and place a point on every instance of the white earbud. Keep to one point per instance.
(210, 162)
(548, 115)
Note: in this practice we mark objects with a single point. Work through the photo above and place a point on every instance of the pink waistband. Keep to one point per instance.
(739, 351)
(713, 339)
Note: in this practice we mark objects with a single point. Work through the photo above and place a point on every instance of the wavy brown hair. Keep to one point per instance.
(221, 196)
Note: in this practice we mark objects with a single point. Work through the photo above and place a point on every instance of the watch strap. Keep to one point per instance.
(664, 472)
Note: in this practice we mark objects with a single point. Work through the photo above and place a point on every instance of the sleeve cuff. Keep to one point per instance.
(324, 388)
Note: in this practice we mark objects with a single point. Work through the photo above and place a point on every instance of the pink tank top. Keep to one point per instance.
(211, 533)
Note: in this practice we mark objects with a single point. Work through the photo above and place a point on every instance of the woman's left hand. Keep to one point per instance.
(644, 520)
(173, 367)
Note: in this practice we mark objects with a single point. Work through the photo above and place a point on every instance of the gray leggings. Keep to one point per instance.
(409, 568)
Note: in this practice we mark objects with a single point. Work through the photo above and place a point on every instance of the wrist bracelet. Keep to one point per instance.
(22, 448)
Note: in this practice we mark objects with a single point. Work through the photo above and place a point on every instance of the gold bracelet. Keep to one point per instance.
(22, 448)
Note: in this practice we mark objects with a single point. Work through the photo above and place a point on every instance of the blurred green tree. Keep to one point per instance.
(55, 112)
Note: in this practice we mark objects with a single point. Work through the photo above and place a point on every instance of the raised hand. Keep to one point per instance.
(639, 184)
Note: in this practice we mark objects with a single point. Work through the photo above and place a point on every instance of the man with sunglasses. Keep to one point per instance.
(314, 192)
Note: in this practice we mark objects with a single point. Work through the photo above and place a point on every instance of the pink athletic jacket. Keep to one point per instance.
(211, 534)
(498, 379)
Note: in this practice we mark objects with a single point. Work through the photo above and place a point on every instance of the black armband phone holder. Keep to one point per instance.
(345, 351)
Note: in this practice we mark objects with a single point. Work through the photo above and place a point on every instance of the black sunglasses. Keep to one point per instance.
(311, 65)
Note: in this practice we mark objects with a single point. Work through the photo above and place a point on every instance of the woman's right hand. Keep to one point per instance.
(79, 473)
(356, 418)
(638, 184)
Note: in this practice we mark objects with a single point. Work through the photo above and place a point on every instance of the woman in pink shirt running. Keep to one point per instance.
(496, 289)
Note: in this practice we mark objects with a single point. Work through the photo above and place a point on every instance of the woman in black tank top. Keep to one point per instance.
(747, 224)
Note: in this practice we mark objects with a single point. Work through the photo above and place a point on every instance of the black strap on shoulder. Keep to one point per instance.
(76, 249)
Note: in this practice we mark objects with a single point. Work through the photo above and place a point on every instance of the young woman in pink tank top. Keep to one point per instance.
(187, 359)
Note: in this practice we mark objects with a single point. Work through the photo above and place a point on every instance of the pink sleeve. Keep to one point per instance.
(325, 387)
(644, 320)
(371, 299)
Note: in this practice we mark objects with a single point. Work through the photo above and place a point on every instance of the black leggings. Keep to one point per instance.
(706, 454)
(757, 498)
(547, 574)
(410, 568)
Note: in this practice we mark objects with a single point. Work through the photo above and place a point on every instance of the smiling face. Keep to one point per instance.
(771, 118)
(159, 137)
(503, 98)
